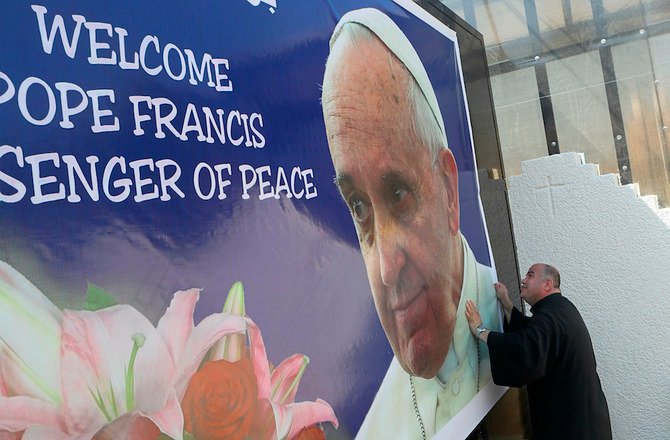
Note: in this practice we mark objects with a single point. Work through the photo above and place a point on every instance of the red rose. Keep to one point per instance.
(128, 427)
(221, 400)
(311, 433)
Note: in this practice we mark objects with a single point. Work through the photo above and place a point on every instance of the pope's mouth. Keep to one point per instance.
(404, 305)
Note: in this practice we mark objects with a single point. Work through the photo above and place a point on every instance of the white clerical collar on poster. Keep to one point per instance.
(460, 345)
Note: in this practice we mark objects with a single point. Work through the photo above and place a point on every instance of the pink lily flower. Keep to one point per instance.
(72, 374)
(276, 387)
(279, 386)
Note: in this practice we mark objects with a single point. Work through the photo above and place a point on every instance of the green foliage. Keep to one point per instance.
(98, 298)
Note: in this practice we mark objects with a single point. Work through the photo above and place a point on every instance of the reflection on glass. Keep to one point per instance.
(567, 42)
(519, 118)
(642, 118)
(659, 48)
(457, 7)
(580, 109)
(550, 15)
(501, 21)
(580, 10)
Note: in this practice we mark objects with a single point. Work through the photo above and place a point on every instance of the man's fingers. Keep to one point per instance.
(471, 312)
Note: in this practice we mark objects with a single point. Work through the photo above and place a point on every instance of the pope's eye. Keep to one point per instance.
(359, 209)
(399, 194)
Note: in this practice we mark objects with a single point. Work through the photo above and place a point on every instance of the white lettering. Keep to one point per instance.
(196, 181)
(140, 183)
(74, 168)
(64, 88)
(166, 62)
(153, 71)
(19, 188)
(9, 93)
(23, 102)
(99, 113)
(39, 181)
(223, 84)
(69, 46)
(247, 183)
(95, 45)
(120, 183)
(171, 181)
(123, 62)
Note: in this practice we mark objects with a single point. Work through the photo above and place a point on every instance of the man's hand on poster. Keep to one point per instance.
(475, 321)
(505, 301)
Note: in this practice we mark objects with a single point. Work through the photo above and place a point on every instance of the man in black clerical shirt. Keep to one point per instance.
(551, 353)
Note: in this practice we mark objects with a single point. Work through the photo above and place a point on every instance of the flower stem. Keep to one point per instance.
(138, 342)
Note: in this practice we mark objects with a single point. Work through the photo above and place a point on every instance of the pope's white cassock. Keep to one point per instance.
(392, 416)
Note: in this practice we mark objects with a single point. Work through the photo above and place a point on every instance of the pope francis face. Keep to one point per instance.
(403, 203)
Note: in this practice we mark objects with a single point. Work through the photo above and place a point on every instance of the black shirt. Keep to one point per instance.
(551, 352)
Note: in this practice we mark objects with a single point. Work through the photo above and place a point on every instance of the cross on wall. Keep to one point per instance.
(550, 186)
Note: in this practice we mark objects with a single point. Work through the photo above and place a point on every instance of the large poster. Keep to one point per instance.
(202, 238)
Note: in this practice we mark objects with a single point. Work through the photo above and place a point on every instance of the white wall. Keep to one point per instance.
(613, 253)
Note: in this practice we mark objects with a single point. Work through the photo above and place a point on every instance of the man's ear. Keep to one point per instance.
(449, 171)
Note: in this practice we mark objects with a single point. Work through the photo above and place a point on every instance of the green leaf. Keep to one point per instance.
(167, 437)
(188, 436)
(97, 298)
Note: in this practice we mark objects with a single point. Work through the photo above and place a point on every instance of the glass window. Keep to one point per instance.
(457, 7)
(501, 21)
(659, 48)
(550, 15)
(642, 117)
(580, 109)
(581, 10)
(519, 118)
(655, 12)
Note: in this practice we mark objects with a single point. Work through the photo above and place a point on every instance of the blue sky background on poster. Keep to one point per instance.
(41, 103)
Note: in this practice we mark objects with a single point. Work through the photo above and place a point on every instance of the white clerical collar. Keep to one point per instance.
(462, 340)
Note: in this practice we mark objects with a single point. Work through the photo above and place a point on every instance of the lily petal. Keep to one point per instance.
(20, 412)
(259, 359)
(6, 435)
(96, 350)
(140, 426)
(3, 386)
(286, 378)
(283, 420)
(204, 335)
(169, 419)
(30, 363)
(306, 414)
(47, 432)
(176, 325)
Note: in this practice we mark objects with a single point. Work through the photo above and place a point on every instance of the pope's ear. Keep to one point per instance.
(449, 171)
